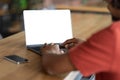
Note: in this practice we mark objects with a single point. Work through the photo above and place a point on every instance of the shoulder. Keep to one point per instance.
(109, 29)
(115, 25)
(108, 32)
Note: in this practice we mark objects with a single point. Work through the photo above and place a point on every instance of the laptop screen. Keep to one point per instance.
(47, 26)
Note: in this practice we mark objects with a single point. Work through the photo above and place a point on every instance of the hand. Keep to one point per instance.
(72, 42)
(51, 49)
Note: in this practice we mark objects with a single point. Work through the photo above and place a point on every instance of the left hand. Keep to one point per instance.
(51, 49)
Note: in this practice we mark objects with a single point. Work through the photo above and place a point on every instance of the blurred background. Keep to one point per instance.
(11, 21)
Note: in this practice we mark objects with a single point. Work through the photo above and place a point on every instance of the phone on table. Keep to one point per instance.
(16, 59)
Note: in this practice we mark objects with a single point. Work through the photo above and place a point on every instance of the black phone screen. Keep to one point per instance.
(16, 59)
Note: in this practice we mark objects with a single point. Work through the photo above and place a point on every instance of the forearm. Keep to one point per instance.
(56, 64)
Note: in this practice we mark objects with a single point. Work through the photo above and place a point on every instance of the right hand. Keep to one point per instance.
(71, 43)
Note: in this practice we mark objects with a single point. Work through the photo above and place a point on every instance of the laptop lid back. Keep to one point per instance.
(47, 26)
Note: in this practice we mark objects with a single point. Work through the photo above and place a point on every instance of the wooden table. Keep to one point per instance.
(29, 71)
(84, 25)
(84, 8)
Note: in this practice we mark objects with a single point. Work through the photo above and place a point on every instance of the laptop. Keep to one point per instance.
(46, 26)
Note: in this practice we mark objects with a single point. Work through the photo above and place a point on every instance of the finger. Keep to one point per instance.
(51, 44)
(45, 44)
(62, 52)
(56, 46)
(68, 46)
(73, 40)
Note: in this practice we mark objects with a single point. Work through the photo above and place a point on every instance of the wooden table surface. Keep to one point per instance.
(84, 25)
(84, 8)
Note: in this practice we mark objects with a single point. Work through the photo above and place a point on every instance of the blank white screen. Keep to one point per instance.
(47, 26)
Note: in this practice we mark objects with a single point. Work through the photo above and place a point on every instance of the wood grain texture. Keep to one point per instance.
(83, 8)
(86, 24)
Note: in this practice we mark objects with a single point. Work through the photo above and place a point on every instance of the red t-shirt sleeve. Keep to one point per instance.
(94, 55)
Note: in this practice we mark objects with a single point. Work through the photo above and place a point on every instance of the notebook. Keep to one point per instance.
(46, 26)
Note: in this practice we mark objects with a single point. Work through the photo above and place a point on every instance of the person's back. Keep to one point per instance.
(113, 73)
(116, 56)
(114, 7)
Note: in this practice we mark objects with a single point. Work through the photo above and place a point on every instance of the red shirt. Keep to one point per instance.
(100, 54)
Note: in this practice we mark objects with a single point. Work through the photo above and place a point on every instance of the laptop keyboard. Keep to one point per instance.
(36, 48)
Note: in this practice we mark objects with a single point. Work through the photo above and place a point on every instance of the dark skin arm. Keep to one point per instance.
(56, 64)
(55, 61)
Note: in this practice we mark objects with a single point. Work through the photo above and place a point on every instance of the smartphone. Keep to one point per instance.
(16, 59)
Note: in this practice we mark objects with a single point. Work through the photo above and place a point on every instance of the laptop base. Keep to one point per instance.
(36, 48)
